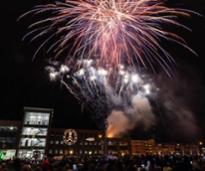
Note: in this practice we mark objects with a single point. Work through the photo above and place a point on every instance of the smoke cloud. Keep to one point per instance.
(121, 121)
(178, 118)
(118, 123)
(172, 112)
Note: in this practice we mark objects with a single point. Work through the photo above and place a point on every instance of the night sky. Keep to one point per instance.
(24, 81)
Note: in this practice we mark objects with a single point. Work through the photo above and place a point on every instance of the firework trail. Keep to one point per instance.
(119, 96)
(113, 31)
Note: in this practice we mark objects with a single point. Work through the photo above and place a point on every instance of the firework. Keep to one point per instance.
(113, 31)
(91, 80)
(103, 45)
(105, 89)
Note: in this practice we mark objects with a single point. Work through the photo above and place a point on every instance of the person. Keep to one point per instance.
(17, 164)
(167, 167)
(3, 167)
(26, 167)
(46, 165)
(38, 169)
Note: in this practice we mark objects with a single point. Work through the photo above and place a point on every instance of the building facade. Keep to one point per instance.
(86, 142)
(9, 135)
(34, 133)
(75, 142)
(142, 147)
(118, 146)
(139, 147)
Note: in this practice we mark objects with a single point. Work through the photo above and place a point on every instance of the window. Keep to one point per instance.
(25, 154)
(34, 131)
(33, 142)
(8, 154)
(8, 129)
(8, 141)
(36, 118)
(123, 144)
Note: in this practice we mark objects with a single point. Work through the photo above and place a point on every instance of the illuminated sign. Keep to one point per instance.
(70, 137)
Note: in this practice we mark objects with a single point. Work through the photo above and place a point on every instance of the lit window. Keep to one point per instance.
(57, 142)
(11, 128)
(100, 136)
(34, 131)
(36, 118)
(71, 152)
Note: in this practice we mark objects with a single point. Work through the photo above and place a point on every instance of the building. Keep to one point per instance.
(34, 133)
(85, 142)
(141, 147)
(184, 149)
(9, 135)
(75, 142)
(34, 137)
(118, 146)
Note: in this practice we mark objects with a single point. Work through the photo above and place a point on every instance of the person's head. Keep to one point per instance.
(26, 167)
(38, 169)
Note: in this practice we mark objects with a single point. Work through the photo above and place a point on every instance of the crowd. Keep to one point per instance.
(108, 163)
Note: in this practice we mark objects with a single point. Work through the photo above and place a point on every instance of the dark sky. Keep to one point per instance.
(25, 83)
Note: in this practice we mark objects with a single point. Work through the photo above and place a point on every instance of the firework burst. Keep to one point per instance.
(103, 90)
(113, 31)
(90, 81)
